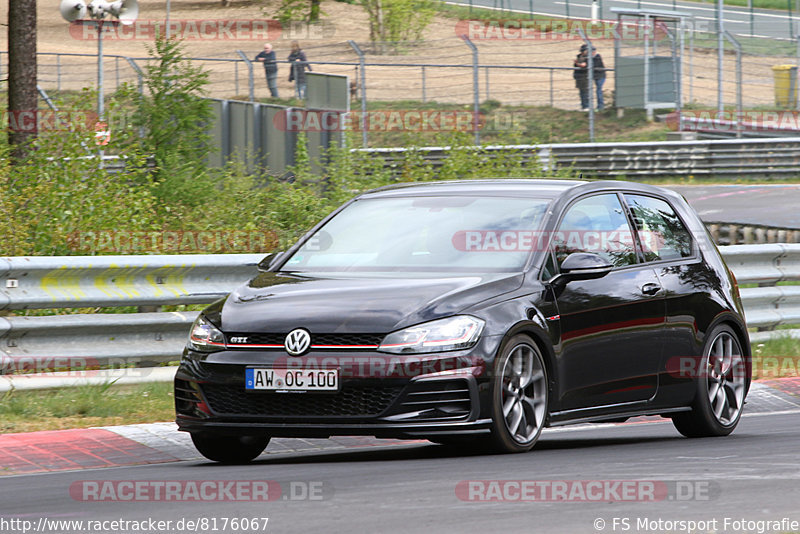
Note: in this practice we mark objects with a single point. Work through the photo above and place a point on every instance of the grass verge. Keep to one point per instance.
(776, 358)
(85, 406)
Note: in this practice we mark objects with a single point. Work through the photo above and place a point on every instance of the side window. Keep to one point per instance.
(661, 232)
(549, 268)
(596, 224)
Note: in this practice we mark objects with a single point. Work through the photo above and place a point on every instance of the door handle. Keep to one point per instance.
(651, 289)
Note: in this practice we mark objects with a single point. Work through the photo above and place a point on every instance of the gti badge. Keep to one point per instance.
(297, 341)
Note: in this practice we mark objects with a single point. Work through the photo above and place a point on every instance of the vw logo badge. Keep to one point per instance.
(297, 341)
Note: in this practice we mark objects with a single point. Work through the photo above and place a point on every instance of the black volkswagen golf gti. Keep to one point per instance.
(475, 313)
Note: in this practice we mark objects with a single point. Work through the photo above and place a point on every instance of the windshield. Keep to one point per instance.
(455, 233)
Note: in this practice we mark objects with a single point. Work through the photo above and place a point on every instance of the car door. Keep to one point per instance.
(668, 246)
(611, 327)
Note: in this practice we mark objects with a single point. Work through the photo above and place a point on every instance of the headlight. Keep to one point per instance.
(453, 333)
(205, 337)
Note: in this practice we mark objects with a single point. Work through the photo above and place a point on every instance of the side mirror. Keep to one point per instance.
(584, 266)
(269, 260)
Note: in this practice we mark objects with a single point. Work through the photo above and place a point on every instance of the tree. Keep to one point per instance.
(173, 112)
(299, 10)
(397, 21)
(22, 94)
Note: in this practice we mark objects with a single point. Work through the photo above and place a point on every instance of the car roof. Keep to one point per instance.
(529, 187)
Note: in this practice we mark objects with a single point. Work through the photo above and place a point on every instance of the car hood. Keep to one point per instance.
(280, 302)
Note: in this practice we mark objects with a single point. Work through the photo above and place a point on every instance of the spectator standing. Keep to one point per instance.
(267, 56)
(581, 75)
(298, 65)
(599, 75)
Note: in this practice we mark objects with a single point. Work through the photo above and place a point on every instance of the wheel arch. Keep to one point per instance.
(733, 322)
(541, 338)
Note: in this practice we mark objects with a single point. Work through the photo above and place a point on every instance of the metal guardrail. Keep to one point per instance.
(107, 344)
(92, 340)
(768, 305)
(68, 342)
(722, 157)
(83, 281)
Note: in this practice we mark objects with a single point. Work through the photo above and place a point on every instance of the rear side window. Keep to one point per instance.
(661, 232)
(596, 224)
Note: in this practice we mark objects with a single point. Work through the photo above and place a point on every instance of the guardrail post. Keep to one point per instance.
(797, 93)
(475, 88)
(423, 83)
(691, 64)
(677, 73)
(362, 63)
(738, 48)
(250, 81)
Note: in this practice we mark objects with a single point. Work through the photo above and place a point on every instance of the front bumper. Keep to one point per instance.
(444, 395)
(326, 430)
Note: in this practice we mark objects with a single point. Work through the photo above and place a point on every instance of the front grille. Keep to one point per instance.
(371, 340)
(346, 339)
(352, 400)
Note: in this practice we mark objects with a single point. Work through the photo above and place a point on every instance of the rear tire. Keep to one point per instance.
(229, 449)
(722, 382)
(519, 396)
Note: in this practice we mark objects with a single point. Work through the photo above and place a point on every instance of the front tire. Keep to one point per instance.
(228, 449)
(519, 396)
(722, 382)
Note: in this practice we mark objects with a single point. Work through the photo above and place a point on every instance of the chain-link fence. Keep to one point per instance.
(523, 72)
(535, 69)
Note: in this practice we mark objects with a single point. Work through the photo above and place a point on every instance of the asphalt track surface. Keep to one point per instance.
(776, 205)
(752, 475)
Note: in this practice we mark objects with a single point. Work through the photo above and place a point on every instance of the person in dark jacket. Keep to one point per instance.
(267, 56)
(298, 65)
(581, 75)
(599, 75)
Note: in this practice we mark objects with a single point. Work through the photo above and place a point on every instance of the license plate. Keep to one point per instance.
(292, 379)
